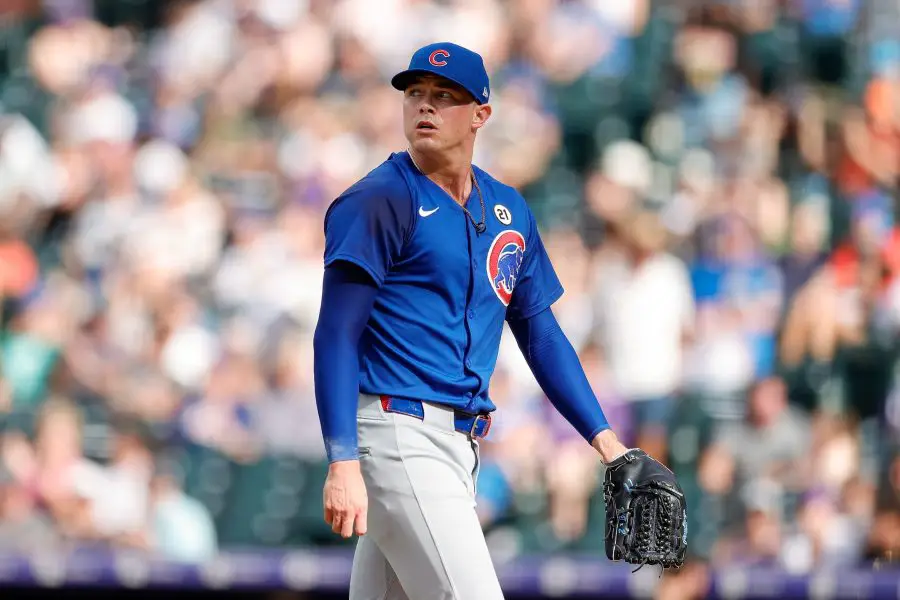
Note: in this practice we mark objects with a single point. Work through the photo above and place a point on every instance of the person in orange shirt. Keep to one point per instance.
(18, 267)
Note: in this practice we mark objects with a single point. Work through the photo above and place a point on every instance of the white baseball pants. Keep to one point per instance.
(424, 541)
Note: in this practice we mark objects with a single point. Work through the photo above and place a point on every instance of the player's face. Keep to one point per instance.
(438, 114)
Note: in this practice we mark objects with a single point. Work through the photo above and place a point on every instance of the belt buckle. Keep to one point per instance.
(475, 425)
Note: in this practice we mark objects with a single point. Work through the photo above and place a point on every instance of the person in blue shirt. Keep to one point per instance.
(425, 259)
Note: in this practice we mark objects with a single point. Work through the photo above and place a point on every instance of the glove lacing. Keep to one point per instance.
(664, 543)
(645, 534)
(667, 545)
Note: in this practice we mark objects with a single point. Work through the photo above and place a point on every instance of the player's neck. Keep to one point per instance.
(451, 174)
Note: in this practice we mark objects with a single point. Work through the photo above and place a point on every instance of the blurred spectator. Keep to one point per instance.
(61, 478)
(285, 422)
(514, 460)
(759, 542)
(181, 527)
(715, 95)
(22, 526)
(19, 274)
(220, 418)
(691, 581)
(825, 536)
(807, 248)
(770, 444)
(739, 295)
(117, 492)
(645, 317)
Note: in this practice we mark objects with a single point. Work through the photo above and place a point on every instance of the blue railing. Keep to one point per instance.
(329, 571)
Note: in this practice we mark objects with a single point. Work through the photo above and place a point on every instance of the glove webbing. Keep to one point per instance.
(660, 508)
(666, 514)
(647, 509)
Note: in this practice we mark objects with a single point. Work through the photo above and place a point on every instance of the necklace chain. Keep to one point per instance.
(479, 226)
(481, 199)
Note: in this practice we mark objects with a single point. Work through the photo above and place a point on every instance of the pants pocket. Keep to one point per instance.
(369, 409)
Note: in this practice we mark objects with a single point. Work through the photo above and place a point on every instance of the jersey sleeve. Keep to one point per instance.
(537, 286)
(369, 223)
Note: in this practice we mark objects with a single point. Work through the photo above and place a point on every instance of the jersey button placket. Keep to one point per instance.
(470, 313)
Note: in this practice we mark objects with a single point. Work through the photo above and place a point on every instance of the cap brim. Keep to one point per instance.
(401, 80)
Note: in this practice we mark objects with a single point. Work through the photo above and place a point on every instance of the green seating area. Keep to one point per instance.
(271, 502)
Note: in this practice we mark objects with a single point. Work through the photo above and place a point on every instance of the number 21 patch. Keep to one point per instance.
(502, 213)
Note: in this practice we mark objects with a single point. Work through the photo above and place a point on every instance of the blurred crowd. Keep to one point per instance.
(716, 182)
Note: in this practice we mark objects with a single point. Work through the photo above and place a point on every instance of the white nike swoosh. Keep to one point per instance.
(427, 213)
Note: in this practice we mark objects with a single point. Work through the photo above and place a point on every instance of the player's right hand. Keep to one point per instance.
(345, 499)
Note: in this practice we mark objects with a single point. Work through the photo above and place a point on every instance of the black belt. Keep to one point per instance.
(475, 426)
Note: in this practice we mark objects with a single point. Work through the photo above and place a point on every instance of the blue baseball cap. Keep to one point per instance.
(451, 61)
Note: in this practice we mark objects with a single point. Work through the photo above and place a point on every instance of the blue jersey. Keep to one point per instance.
(444, 289)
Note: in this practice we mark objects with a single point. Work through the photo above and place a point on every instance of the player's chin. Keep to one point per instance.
(425, 142)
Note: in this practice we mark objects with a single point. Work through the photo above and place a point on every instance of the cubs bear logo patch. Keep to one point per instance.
(504, 259)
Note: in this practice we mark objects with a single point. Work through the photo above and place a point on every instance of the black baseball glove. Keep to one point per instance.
(646, 513)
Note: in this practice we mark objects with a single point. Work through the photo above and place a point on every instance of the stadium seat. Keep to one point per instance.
(208, 478)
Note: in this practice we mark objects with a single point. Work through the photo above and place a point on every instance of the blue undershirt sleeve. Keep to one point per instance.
(558, 371)
(348, 294)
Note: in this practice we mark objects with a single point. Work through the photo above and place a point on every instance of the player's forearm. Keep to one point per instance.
(337, 384)
(558, 371)
(347, 299)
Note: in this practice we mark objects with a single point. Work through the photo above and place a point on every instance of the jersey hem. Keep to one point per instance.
(540, 307)
(359, 263)
(456, 404)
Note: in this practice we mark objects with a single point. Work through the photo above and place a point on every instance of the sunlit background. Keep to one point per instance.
(716, 182)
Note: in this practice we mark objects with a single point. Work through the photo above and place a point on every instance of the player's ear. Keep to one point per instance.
(481, 116)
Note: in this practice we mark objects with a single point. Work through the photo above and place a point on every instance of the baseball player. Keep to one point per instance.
(425, 259)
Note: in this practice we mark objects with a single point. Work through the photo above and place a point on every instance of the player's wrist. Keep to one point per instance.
(608, 446)
(345, 464)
